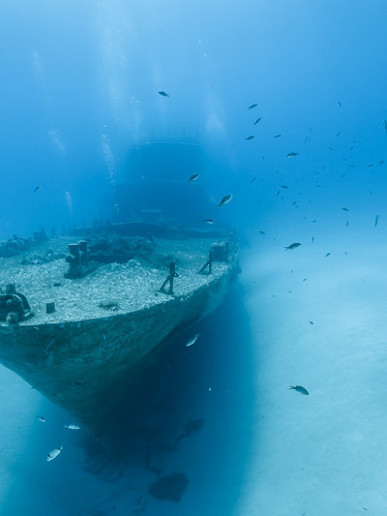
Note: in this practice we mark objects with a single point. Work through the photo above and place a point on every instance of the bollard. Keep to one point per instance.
(50, 307)
(84, 251)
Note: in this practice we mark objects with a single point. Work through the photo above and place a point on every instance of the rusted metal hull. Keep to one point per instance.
(78, 365)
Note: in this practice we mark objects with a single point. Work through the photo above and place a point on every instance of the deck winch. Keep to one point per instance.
(14, 306)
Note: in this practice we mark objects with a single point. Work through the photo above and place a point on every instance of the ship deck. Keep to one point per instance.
(126, 287)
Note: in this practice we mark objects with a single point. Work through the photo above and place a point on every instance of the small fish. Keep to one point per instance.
(253, 179)
(252, 106)
(345, 209)
(385, 126)
(291, 154)
(376, 220)
(36, 188)
(257, 120)
(249, 137)
(54, 453)
(262, 233)
(42, 419)
(380, 162)
(194, 177)
(292, 246)
(284, 186)
(312, 239)
(300, 389)
(311, 322)
(339, 103)
(277, 136)
(192, 340)
(72, 427)
(338, 134)
(50, 344)
(331, 148)
(226, 199)
(163, 94)
(328, 254)
(347, 224)
(209, 221)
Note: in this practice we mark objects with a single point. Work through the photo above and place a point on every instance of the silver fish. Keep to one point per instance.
(209, 221)
(42, 419)
(54, 453)
(72, 427)
(192, 340)
(300, 389)
(226, 199)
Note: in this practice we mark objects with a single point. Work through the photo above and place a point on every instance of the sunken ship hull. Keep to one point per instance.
(81, 364)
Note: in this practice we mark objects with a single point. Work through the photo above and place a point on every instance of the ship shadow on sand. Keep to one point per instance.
(188, 418)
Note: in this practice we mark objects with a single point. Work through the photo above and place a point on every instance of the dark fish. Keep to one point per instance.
(339, 103)
(331, 148)
(376, 220)
(385, 126)
(338, 134)
(262, 233)
(292, 246)
(345, 209)
(252, 106)
(193, 178)
(249, 137)
(277, 136)
(209, 221)
(163, 94)
(36, 188)
(328, 254)
(226, 199)
(312, 239)
(311, 322)
(300, 389)
(253, 178)
(257, 120)
(284, 186)
(380, 162)
(292, 154)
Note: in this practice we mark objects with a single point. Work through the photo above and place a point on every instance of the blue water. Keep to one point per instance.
(79, 91)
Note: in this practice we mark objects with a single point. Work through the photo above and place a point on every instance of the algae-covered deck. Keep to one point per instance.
(112, 289)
